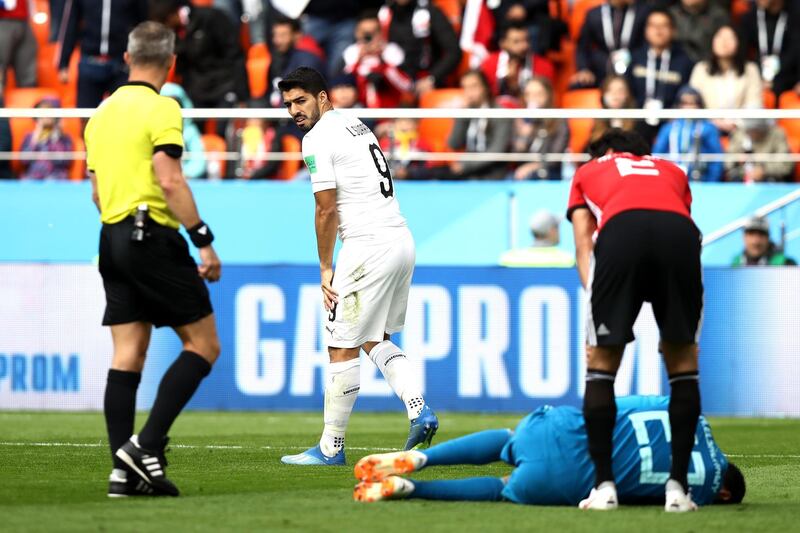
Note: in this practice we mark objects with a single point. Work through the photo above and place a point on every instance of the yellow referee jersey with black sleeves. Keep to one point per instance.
(121, 137)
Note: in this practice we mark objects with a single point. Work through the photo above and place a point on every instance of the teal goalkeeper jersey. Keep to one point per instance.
(552, 443)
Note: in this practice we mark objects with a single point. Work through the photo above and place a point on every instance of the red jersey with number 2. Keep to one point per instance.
(621, 182)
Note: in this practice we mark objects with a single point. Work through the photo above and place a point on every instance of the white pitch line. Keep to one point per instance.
(181, 446)
(764, 456)
(354, 448)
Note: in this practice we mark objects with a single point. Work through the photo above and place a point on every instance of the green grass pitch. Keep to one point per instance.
(54, 466)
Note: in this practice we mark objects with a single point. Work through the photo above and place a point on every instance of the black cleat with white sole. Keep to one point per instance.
(149, 465)
(125, 486)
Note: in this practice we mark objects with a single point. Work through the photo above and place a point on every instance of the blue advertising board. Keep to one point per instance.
(483, 339)
(495, 339)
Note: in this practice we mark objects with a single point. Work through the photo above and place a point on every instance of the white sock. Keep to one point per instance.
(341, 391)
(119, 474)
(400, 375)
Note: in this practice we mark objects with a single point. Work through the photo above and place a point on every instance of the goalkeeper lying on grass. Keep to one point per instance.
(552, 466)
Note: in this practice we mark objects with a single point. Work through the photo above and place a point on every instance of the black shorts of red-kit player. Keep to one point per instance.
(647, 256)
(154, 280)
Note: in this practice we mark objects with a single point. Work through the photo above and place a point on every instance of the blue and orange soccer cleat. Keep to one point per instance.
(422, 429)
(379, 466)
(314, 457)
(391, 488)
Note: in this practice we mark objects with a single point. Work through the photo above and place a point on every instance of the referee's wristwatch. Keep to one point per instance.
(201, 235)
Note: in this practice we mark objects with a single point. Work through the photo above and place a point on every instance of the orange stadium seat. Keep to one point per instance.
(436, 130)
(289, 144)
(791, 100)
(215, 146)
(258, 61)
(564, 61)
(580, 128)
(77, 171)
(257, 72)
(769, 99)
(258, 51)
(576, 18)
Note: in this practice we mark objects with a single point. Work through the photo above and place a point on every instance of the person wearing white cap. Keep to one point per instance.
(545, 251)
(759, 250)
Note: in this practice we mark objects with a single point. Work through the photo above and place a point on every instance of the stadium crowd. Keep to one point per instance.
(615, 54)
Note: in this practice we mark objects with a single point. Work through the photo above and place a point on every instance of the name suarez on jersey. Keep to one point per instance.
(358, 129)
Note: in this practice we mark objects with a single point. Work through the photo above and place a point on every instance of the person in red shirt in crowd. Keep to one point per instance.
(635, 241)
(17, 43)
(428, 39)
(375, 63)
(509, 69)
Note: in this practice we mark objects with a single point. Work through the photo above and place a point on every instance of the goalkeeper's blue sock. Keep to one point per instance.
(476, 449)
(471, 489)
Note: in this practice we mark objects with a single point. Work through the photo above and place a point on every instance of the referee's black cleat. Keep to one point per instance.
(149, 465)
(122, 484)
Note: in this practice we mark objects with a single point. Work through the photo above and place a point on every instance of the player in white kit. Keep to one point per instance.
(366, 300)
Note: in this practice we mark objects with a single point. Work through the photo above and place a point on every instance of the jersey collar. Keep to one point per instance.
(141, 84)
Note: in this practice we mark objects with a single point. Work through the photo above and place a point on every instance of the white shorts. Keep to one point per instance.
(372, 281)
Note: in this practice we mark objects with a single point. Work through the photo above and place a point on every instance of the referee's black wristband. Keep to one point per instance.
(201, 235)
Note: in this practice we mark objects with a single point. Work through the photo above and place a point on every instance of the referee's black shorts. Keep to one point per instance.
(154, 280)
(646, 256)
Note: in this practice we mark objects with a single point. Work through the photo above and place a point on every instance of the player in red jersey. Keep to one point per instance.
(635, 241)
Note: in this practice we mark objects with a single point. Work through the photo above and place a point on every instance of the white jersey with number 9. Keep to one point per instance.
(342, 153)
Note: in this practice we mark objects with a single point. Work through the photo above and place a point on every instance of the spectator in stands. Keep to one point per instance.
(660, 67)
(615, 93)
(545, 251)
(769, 36)
(332, 23)
(540, 136)
(544, 31)
(47, 137)
(17, 43)
(194, 162)
(759, 250)
(478, 135)
(375, 63)
(430, 43)
(401, 140)
(725, 79)
(259, 140)
(5, 143)
(509, 69)
(758, 137)
(210, 57)
(696, 21)
(100, 28)
(608, 35)
(683, 141)
(343, 92)
(286, 56)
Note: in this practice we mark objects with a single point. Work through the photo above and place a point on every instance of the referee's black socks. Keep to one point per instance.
(119, 406)
(684, 410)
(174, 392)
(600, 415)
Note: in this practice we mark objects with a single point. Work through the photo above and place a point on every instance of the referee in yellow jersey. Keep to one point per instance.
(134, 144)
